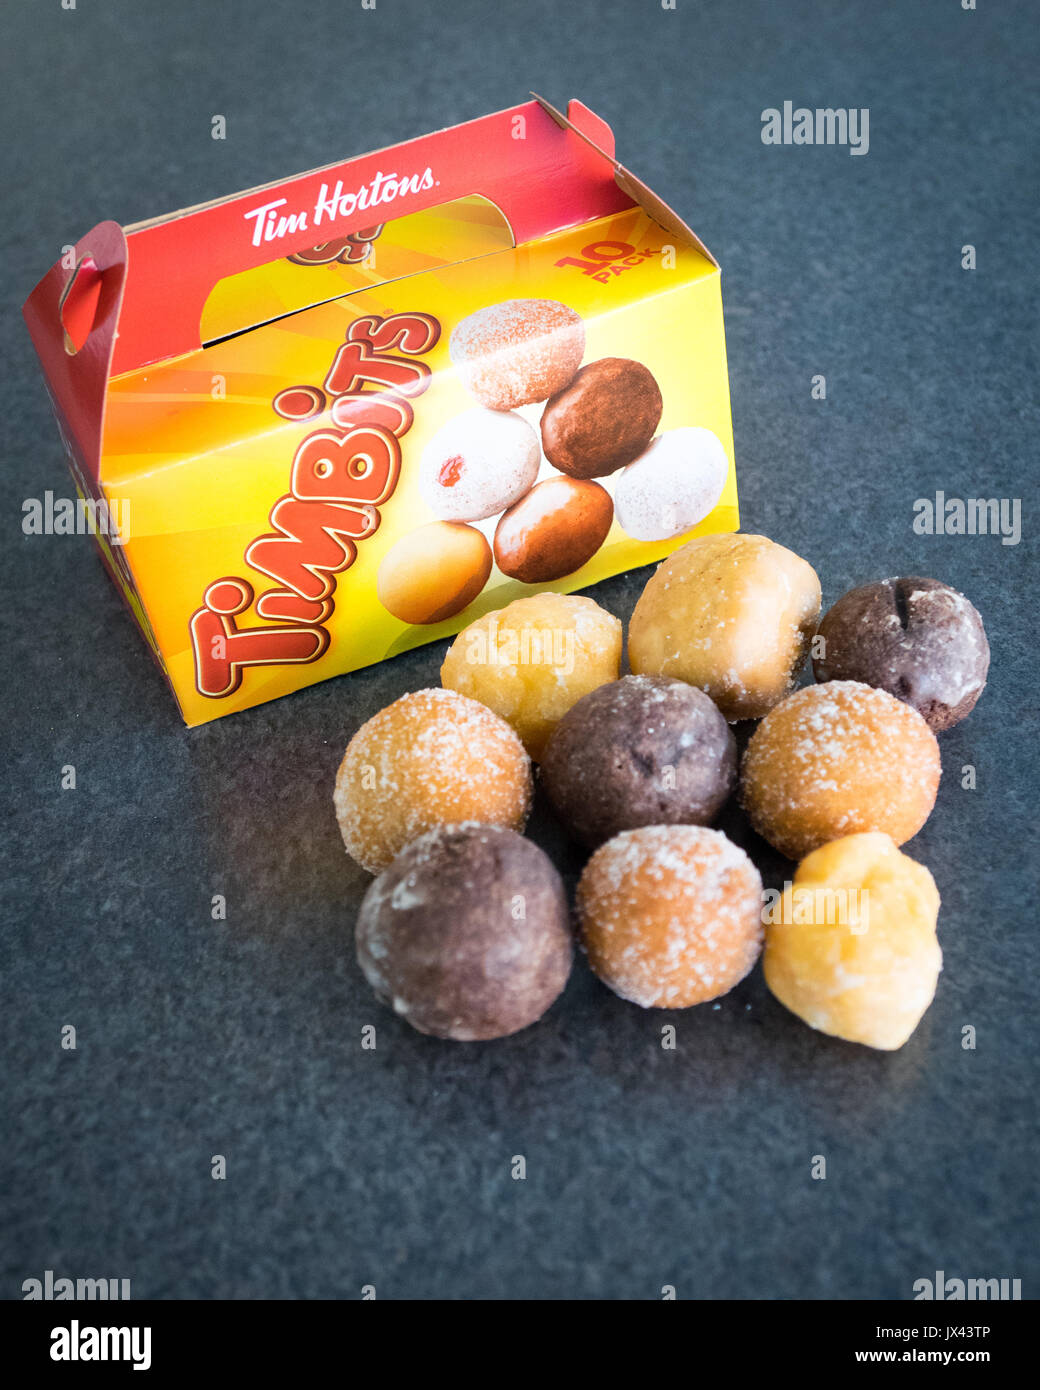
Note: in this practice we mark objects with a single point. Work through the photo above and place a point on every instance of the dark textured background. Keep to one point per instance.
(195, 1038)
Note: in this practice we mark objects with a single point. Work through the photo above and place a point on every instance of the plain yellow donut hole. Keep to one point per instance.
(851, 946)
(534, 659)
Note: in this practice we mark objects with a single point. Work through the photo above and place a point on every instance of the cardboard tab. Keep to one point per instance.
(598, 135)
(78, 378)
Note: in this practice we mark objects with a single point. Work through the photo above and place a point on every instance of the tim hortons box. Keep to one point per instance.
(340, 416)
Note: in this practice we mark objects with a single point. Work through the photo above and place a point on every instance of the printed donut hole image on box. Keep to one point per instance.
(351, 413)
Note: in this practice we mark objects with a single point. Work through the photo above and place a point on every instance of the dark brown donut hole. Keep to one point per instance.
(604, 418)
(916, 638)
(644, 750)
(466, 935)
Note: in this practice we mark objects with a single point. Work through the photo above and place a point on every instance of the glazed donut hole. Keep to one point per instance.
(433, 572)
(670, 915)
(853, 949)
(432, 758)
(731, 614)
(467, 935)
(835, 759)
(554, 530)
(535, 658)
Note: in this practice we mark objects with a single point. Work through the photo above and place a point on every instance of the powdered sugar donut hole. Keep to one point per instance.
(671, 915)
(432, 758)
(518, 351)
(672, 486)
(478, 464)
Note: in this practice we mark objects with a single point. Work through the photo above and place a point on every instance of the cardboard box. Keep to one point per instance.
(247, 387)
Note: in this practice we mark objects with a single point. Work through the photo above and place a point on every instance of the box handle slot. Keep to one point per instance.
(78, 306)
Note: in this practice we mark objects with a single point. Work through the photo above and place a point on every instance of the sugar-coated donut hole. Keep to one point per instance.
(432, 758)
(835, 759)
(517, 351)
(670, 915)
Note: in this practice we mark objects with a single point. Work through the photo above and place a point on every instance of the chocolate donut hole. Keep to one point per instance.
(466, 935)
(602, 419)
(643, 750)
(918, 639)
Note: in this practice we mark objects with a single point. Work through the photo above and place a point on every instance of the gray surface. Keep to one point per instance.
(195, 1038)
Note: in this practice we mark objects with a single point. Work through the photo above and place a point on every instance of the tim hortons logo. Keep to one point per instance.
(341, 474)
(271, 223)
